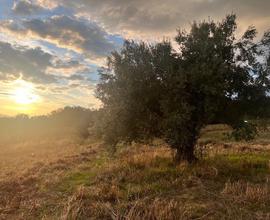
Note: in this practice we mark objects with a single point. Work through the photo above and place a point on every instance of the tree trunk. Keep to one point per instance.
(186, 152)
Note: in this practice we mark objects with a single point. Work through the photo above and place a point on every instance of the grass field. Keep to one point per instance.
(80, 179)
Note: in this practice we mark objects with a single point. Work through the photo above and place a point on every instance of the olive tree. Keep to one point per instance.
(154, 90)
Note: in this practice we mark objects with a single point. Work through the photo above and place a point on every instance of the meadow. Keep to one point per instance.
(78, 178)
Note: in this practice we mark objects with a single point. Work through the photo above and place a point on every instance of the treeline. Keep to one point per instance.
(66, 122)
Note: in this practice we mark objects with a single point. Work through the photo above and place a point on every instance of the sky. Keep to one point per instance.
(51, 50)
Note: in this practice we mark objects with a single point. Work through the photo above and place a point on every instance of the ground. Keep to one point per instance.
(68, 179)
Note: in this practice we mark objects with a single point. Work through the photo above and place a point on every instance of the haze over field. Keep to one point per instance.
(51, 49)
(134, 109)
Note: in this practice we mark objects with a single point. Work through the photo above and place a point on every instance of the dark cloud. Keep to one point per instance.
(26, 7)
(60, 64)
(135, 17)
(76, 77)
(28, 63)
(35, 65)
(66, 32)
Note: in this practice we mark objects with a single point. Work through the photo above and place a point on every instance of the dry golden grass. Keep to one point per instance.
(25, 191)
(143, 183)
(16, 158)
(69, 180)
(242, 191)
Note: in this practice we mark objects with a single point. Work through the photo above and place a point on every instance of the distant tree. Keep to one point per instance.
(73, 118)
(154, 91)
(22, 117)
(65, 122)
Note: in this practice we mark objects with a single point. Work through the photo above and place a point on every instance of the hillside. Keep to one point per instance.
(139, 181)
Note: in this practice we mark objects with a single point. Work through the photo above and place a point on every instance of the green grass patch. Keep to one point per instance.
(215, 134)
(82, 177)
(251, 167)
(75, 179)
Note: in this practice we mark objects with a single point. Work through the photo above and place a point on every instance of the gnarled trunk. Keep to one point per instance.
(185, 152)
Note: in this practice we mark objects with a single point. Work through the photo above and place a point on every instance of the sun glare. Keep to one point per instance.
(24, 93)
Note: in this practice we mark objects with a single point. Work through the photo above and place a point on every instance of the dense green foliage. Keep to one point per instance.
(244, 131)
(153, 90)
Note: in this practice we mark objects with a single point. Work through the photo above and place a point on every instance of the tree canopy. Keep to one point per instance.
(154, 90)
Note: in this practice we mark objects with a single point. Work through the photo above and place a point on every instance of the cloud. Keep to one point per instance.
(47, 3)
(36, 65)
(159, 17)
(76, 77)
(67, 32)
(26, 7)
(28, 63)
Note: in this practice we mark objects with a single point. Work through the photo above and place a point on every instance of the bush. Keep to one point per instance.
(245, 131)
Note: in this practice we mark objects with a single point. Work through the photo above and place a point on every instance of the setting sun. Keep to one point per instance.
(24, 93)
